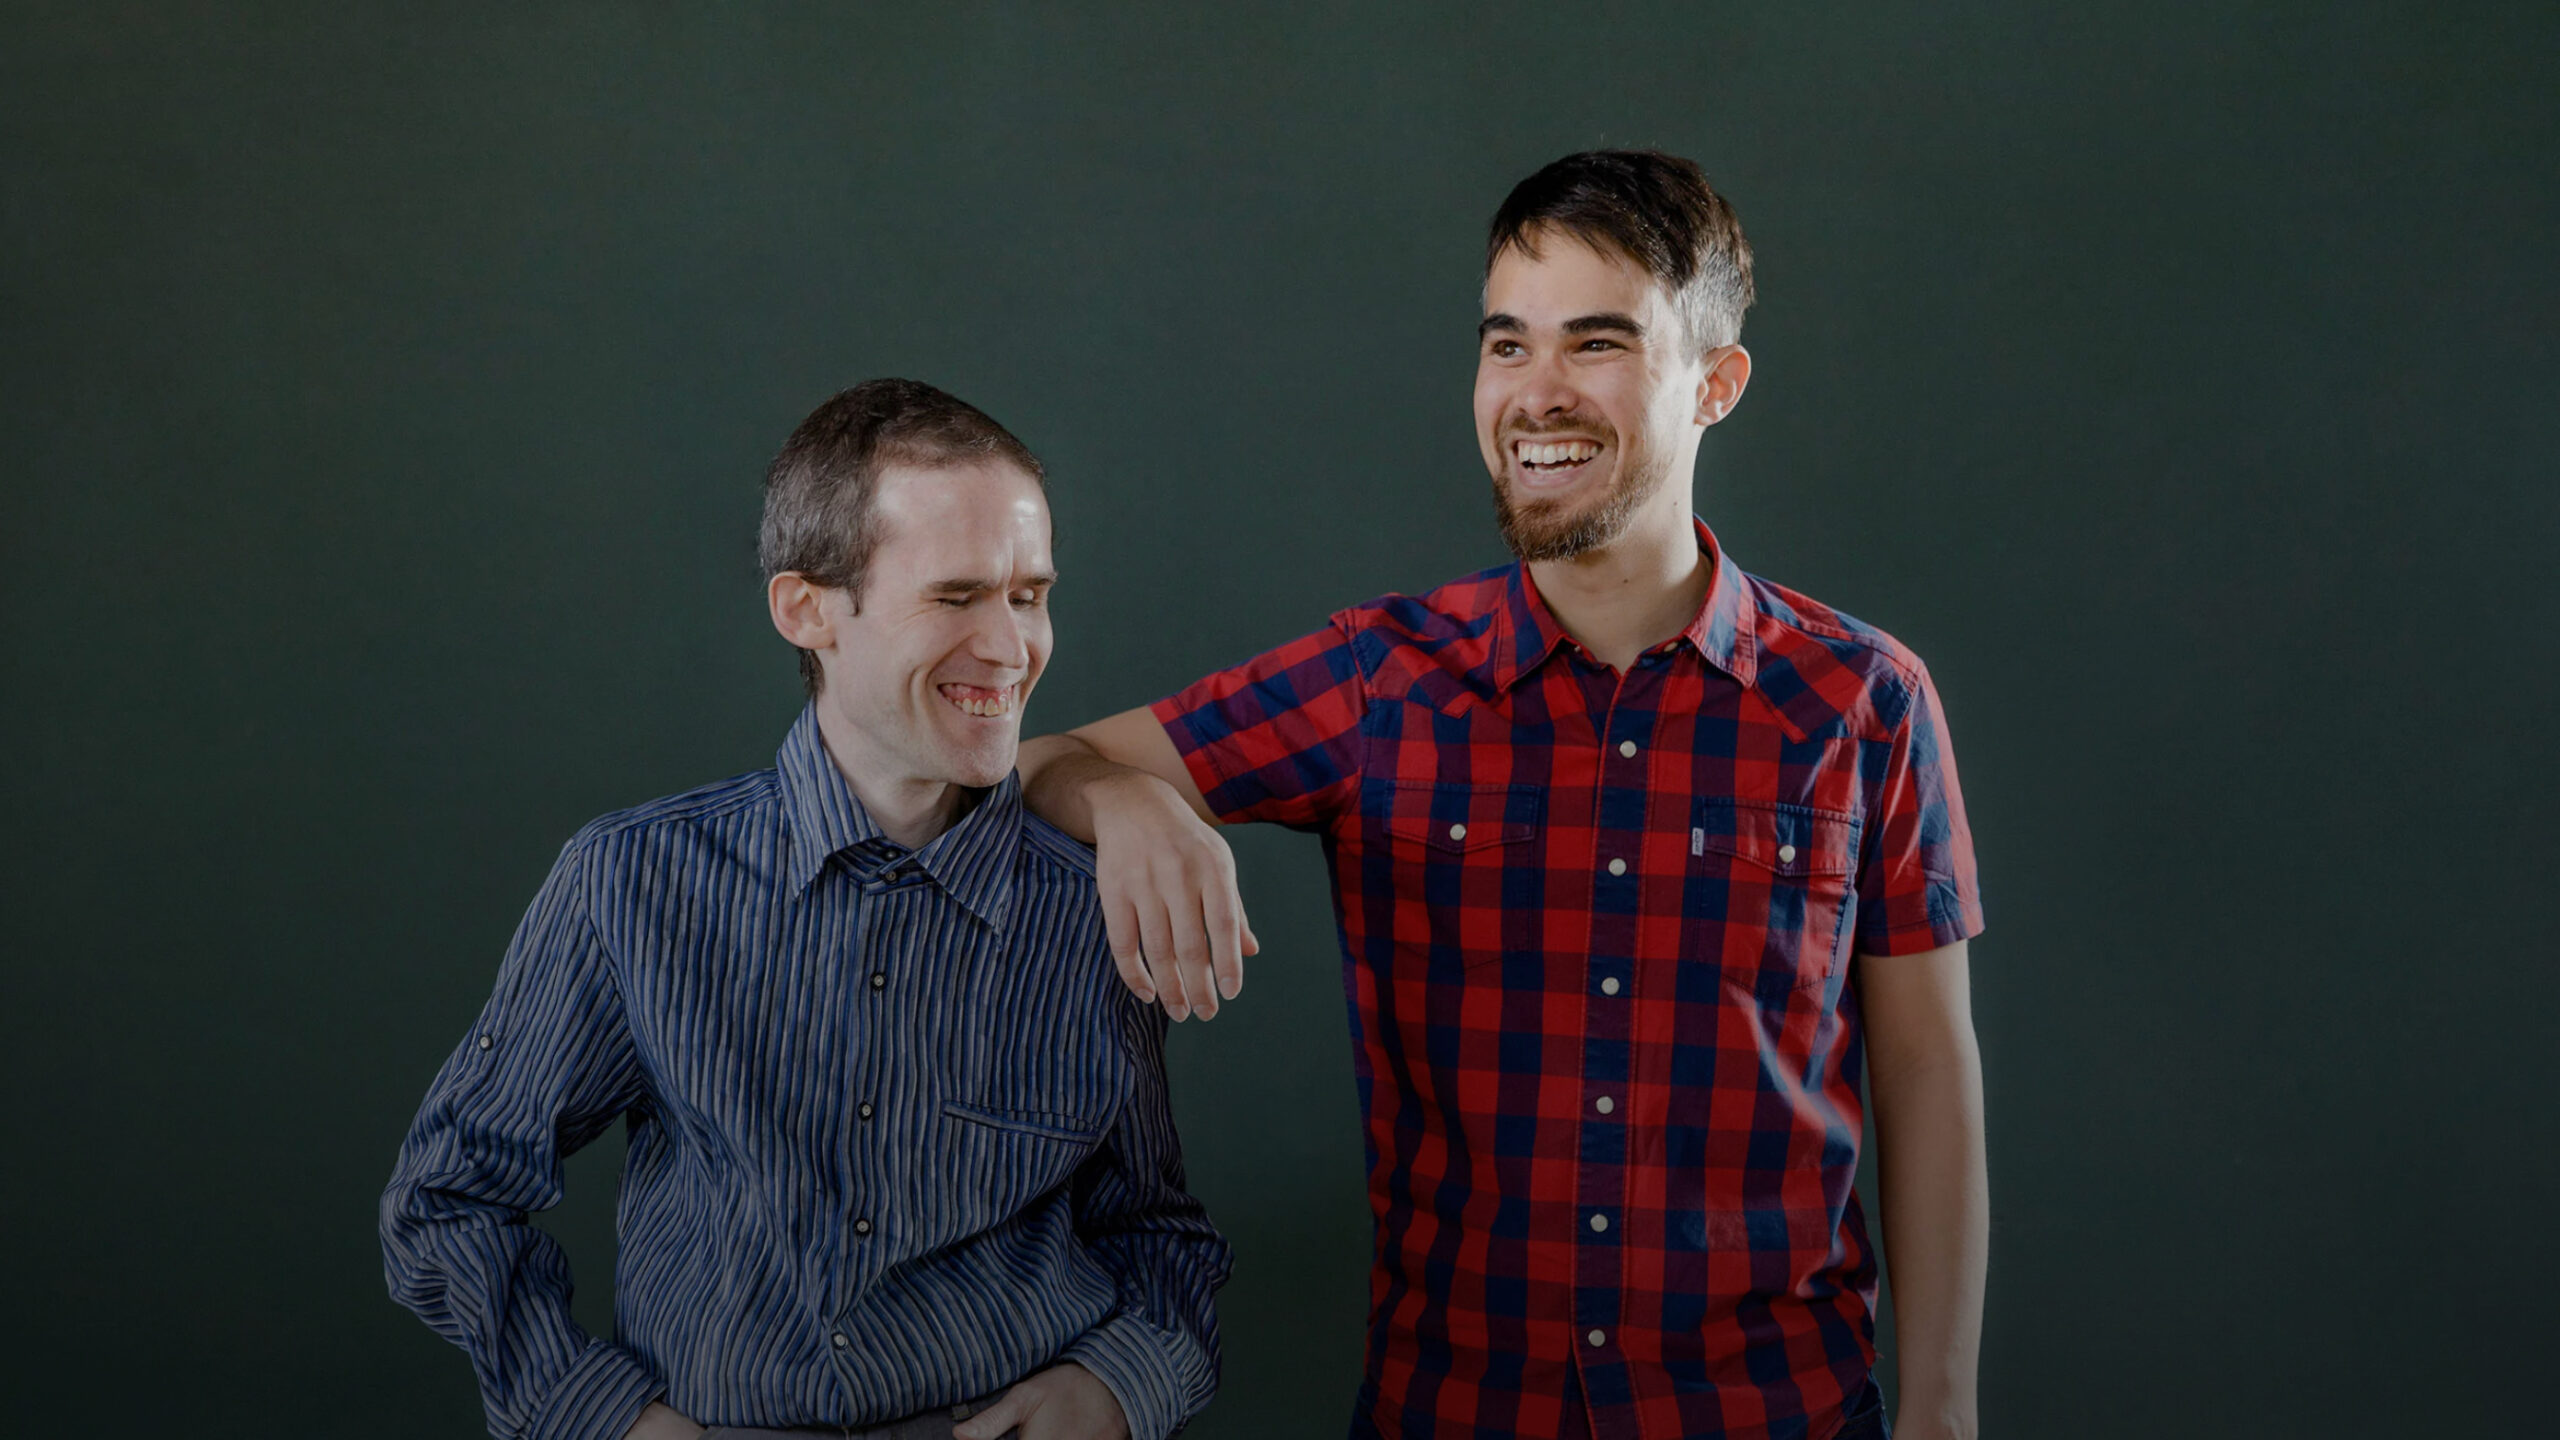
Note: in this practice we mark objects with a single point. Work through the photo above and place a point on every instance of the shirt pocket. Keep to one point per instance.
(1023, 1117)
(1469, 855)
(1768, 896)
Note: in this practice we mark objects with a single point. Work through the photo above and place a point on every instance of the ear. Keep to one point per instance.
(1720, 389)
(799, 610)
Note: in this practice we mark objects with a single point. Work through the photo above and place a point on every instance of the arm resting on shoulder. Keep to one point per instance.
(1168, 881)
(1926, 1079)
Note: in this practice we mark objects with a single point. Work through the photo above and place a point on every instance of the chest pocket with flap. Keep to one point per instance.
(1469, 853)
(1769, 894)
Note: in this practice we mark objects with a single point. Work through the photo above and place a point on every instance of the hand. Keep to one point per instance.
(1169, 899)
(659, 1422)
(1063, 1402)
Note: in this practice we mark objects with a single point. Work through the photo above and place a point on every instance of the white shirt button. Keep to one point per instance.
(1617, 867)
(1599, 1222)
(488, 1042)
(1597, 1338)
(841, 1342)
(1457, 832)
(1627, 748)
(1604, 1104)
(1786, 853)
(1609, 986)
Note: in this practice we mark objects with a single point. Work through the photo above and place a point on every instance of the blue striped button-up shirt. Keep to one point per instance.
(898, 1135)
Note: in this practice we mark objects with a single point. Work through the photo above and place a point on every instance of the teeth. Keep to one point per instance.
(990, 709)
(1574, 451)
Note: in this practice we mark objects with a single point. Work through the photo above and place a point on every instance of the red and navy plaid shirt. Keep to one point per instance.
(1598, 929)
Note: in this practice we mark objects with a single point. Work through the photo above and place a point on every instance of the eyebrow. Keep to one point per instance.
(972, 585)
(1578, 325)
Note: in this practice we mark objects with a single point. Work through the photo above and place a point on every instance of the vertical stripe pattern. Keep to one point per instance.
(898, 1135)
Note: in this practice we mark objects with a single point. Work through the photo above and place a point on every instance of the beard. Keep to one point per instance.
(1558, 530)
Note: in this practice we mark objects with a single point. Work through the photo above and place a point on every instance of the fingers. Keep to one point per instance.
(987, 1424)
(1224, 912)
(1155, 939)
(1120, 925)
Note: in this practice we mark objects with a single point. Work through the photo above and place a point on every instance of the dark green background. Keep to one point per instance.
(382, 404)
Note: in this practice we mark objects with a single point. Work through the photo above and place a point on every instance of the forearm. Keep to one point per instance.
(1937, 1223)
(1058, 773)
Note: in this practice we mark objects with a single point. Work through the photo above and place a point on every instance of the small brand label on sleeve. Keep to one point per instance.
(1698, 841)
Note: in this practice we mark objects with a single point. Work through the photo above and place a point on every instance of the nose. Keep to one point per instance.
(1546, 389)
(1001, 638)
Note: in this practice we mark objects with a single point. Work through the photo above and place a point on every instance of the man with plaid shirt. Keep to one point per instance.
(1638, 860)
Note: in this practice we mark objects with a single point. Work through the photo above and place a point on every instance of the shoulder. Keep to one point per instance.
(682, 819)
(1052, 856)
(1453, 613)
(1825, 667)
(1448, 629)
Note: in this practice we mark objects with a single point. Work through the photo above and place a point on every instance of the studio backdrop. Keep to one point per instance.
(383, 399)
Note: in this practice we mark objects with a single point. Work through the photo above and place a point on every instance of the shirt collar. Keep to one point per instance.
(1526, 632)
(972, 861)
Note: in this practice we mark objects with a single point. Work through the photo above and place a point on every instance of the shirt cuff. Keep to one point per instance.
(598, 1397)
(1127, 1356)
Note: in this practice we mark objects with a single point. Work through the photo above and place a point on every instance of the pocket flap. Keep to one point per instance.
(1460, 818)
(1787, 839)
(1047, 1124)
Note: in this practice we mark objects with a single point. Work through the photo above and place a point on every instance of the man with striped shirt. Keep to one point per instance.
(1637, 859)
(901, 1160)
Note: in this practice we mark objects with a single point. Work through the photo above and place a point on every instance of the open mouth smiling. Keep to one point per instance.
(982, 702)
(1553, 459)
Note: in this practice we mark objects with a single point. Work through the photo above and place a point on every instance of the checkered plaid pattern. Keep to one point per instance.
(1598, 930)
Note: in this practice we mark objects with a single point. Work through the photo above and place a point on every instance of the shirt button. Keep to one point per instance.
(1617, 867)
(1597, 1338)
(1609, 986)
(879, 978)
(1627, 748)
(488, 1041)
(1604, 1104)
(1599, 1222)
(863, 1110)
(1457, 832)
(1786, 853)
(841, 1342)
(861, 1227)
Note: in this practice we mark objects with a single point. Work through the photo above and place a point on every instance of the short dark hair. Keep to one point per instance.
(820, 515)
(1657, 210)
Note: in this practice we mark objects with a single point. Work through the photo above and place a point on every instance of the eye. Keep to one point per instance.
(1596, 343)
(952, 602)
(1503, 349)
(1029, 601)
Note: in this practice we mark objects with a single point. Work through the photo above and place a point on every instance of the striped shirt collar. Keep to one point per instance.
(1526, 632)
(972, 861)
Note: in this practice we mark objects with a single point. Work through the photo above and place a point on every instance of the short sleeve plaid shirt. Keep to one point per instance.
(1598, 929)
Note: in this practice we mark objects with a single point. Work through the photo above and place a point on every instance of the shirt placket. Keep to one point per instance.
(883, 908)
(1623, 730)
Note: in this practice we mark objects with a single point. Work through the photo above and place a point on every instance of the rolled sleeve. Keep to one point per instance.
(1277, 737)
(1916, 884)
(598, 1397)
(1157, 1390)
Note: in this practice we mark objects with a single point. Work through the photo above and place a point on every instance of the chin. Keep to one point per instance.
(980, 770)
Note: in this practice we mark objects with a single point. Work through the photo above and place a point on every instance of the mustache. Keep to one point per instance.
(1525, 429)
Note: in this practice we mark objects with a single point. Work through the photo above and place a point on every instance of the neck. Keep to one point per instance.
(1635, 592)
(909, 810)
